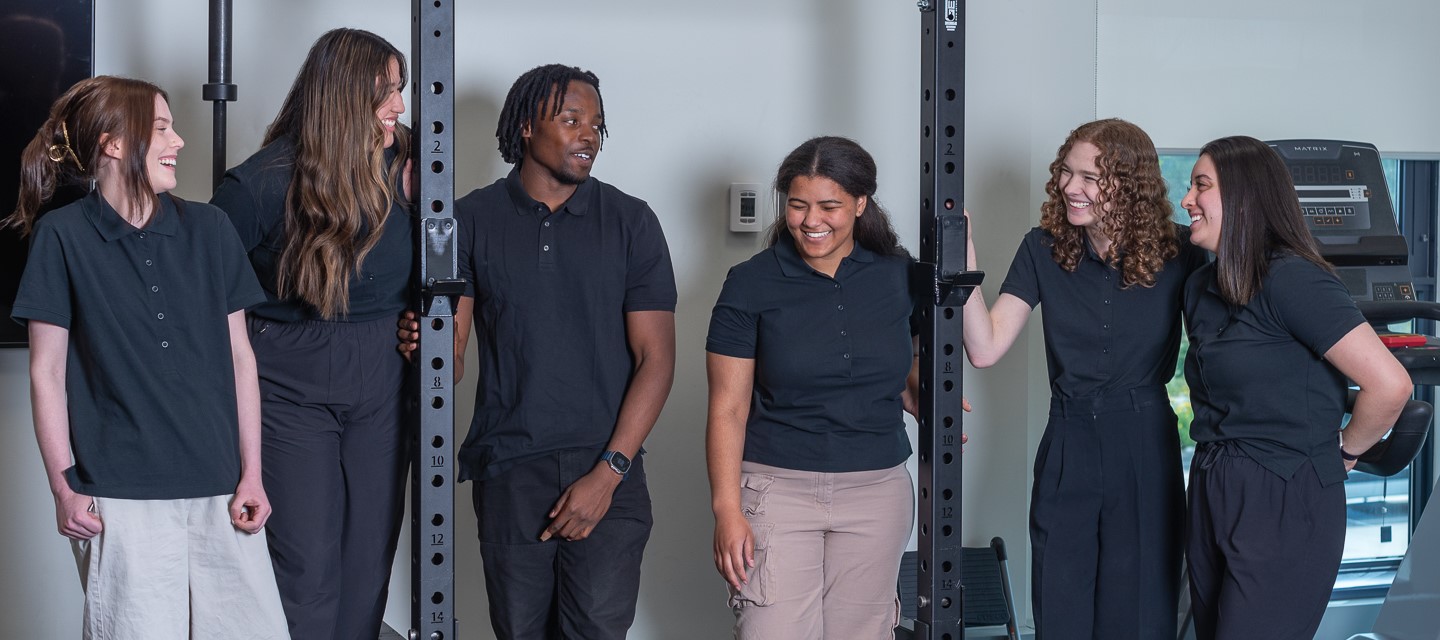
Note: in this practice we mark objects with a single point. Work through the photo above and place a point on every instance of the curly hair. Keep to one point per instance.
(1136, 215)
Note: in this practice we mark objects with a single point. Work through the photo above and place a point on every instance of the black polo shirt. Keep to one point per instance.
(254, 194)
(551, 293)
(1100, 336)
(149, 381)
(1258, 375)
(831, 356)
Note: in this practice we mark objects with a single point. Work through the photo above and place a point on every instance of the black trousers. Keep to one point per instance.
(1105, 519)
(1263, 550)
(559, 589)
(334, 458)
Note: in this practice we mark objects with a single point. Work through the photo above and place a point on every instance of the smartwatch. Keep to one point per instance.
(618, 462)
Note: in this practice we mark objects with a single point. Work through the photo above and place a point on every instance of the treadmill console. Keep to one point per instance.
(1347, 207)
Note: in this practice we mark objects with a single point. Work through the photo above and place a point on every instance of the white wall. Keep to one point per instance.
(699, 96)
(1195, 71)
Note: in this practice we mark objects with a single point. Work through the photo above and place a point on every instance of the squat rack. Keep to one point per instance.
(942, 274)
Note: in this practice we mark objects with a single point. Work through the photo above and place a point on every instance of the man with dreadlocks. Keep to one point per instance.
(570, 285)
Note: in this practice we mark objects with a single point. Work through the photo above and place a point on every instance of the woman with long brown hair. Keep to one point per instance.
(1110, 266)
(322, 211)
(142, 378)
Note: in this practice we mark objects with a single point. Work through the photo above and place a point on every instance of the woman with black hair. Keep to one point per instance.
(1273, 337)
(810, 362)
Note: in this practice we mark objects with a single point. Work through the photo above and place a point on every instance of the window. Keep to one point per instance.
(1379, 510)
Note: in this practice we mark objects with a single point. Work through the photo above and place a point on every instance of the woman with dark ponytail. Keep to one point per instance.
(322, 211)
(811, 363)
(142, 374)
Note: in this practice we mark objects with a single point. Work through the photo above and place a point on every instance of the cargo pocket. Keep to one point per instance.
(754, 487)
(760, 590)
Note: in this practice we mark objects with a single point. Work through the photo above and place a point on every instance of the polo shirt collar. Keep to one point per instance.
(578, 204)
(794, 266)
(1090, 251)
(113, 227)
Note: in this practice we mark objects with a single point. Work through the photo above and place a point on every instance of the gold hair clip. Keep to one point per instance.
(57, 152)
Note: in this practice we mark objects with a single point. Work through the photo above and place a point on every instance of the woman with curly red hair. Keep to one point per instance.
(1107, 506)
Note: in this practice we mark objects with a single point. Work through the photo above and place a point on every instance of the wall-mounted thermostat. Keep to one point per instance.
(745, 208)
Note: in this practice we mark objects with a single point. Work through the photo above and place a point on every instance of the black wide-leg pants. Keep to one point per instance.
(1106, 516)
(1263, 550)
(335, 451)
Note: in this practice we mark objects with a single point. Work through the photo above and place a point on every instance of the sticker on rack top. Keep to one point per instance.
(952, 15)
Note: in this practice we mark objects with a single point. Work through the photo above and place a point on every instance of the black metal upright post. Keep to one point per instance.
(432, 496)
(219, 90)
(940, 603)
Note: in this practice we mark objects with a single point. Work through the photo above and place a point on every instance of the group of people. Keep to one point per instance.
(221, 412)
(217, 390)
(809, 377)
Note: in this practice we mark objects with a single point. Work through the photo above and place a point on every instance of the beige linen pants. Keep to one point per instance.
(176, 570)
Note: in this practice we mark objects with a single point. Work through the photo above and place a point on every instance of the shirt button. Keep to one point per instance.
(546, 247)
(148, 263)
(837, 285)
(840, 307)
(159, 316)
(164, 345)
(1107, 327)
(547, 223)
(847, 356)
(1107, 302)
(842, 333)
(142, 235)
(154, 289)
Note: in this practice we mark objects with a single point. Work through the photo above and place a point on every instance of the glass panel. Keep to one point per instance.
(1175, 167)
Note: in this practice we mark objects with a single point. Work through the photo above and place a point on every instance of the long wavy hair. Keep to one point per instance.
(66, 150)
(1260, 218)
(1136, 213)
(342, 190)
(849, 165)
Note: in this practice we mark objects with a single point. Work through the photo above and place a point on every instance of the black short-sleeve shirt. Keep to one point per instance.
(1102, 337)
(1258, 375)
(254, 195)
(831, 356)
(149, 379)
(551, 293)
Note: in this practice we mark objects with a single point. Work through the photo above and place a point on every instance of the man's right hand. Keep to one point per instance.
(75, 516)
(408, 333)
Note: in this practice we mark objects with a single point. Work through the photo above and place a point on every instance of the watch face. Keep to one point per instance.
(619, 462)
